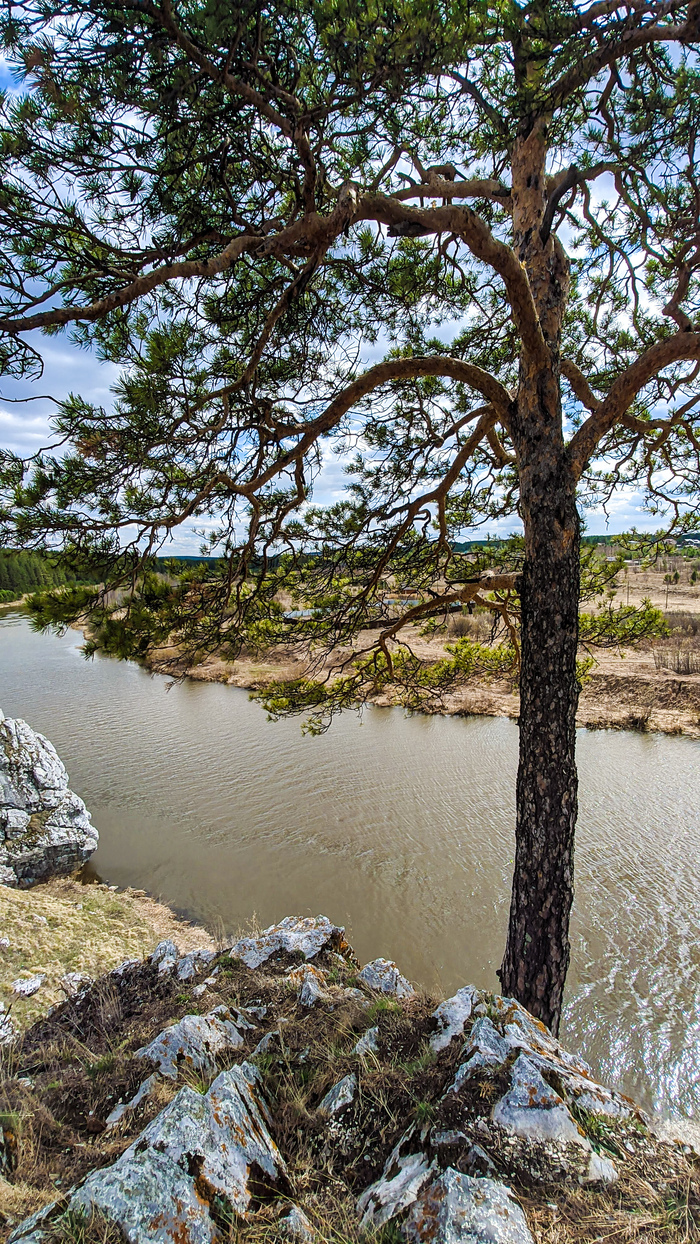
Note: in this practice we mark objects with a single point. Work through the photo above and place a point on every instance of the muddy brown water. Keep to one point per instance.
(399, 828)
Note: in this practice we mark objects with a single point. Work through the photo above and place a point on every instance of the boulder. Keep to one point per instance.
(406, 1171)
(27, 986)
(8, 1032)
(311, 984)
(295, 935)
(165, 956)
(383, 976)
(200, 1154)
(340, 1096)
(532, 1109)
(369, 1043)
(456, 1209)
(296, 1226)
(451, 1016)
(45, 829)
(193, 1042)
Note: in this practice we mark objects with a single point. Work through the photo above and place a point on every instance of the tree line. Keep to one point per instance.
(22, 572)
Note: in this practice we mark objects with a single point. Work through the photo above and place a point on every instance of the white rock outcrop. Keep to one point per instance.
(305, 935)
(451, 1017)
(383, 976)
(505, 1108)
(193, 1043)
(340, 1096)
(456, 1209)
(406, 1171)
(45, 829)
(199, 1151)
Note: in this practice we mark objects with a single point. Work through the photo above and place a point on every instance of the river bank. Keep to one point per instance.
(632, 688)
(624, 691)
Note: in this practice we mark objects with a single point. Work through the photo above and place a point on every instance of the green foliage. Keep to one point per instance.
(22, 572)
(615, 626)
(382, 1006)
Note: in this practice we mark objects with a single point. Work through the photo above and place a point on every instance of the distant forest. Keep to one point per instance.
(22, 572)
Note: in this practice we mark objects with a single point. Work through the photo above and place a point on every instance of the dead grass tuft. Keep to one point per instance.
(639, 1209)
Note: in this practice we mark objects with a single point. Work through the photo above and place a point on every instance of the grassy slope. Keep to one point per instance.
(64, 927)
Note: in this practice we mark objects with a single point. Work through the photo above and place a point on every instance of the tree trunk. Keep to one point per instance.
(537, 950)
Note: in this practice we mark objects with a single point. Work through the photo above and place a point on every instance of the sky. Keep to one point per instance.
(26, 427)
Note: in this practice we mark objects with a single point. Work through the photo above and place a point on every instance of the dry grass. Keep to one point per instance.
(679, 660)
(70, 1070)
(636, 1211)
(64, 927)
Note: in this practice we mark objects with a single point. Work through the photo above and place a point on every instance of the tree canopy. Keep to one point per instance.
(456, 240)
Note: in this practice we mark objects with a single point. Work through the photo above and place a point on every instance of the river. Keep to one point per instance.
(399, 828)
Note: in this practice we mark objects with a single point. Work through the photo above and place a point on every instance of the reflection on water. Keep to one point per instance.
(399, 828)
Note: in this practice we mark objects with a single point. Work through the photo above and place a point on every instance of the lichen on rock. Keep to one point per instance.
(295, 935)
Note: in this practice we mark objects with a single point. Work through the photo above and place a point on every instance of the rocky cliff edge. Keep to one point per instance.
(277, 1090)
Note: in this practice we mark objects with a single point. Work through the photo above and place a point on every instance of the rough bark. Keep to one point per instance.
(537, 950)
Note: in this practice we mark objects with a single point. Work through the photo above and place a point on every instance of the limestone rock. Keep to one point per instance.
(192, 964)
(265, 1043)
(384, 976)
(369, 1043)
(73, 983)
(600, 1170)
(35, 1229)
(339, 1096)
(125, 1107)
(194, 1041)
(165, 956)
(8, 1032)
(451, 1016)
(312, 984)
(485, 1048)
(405, 1173)
(456, 1209)
(151, 1201)
(27, 986)
(296, 1226)
(306, 935)
(125, 966)
(198, 1150)
(45, 829)
(532, 1109)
